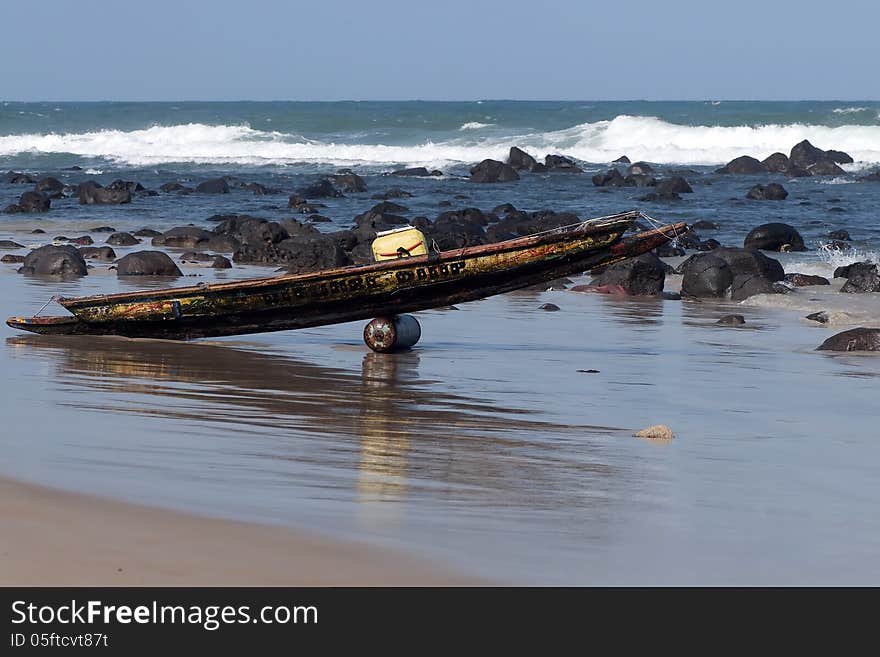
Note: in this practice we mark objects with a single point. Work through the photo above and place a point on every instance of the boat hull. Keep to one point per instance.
(349, 294)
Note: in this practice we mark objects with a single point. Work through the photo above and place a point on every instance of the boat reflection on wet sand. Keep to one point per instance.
(384, 435)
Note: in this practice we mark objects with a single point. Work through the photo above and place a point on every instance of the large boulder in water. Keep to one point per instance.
(33, 202)
(774, 237)
(857, 339)
(561, 163)
(92, 193)
(322, 188)
(771, 192)
(147, 263)
(522, 161)
(674, 185)
(825, 168)
(805, 155)
(417, 172)
(644, 275)
(304, 254)
(455, 229)
(611, 178)
(52, 187)
(122, 239)
(776, 163)
(745, 164)
(730, 273)
(54, 261)
(213, 186)
(491, 171)
(349, 181)
(861, 277)
(183, 237)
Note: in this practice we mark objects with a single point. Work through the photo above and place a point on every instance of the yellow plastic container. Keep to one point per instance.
(399, 243)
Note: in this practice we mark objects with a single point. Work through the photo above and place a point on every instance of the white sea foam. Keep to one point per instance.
(475, 125)
(850, 110)
(639, 137)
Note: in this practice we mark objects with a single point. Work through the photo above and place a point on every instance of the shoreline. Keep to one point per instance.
(58, 538)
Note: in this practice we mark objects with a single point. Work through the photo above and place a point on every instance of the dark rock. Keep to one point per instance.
(102, 229)
(857, 339)
(623, 159)
(491, 171)
(52, 187)
(839, 235)
(97, 253)
(706, 276)
(825, 168)
(261, 190)
(505, 209)
(33, 202)
(306, 254)
(221, 262)
(319, 219)
(92, 193)
(640, 276)
(183, 237)
(416, 171)
(861, 277)
(213, 186)
(639, 169)
(731, 320)
(457, 229)
(731, 273)
(346, 239)
(193, 256)
(669, 251)
(703, 224)
(54, 261)
(170, 187)
(38, 231)
(776, 163)
(803, 280)
(9, 244)
(388, 207)
(805, 155)
(222, 244)
(821, 317)
(843, 272)
(350, 182)
(522, 161)
(674, 185)
(771, 192)
(85, 240)
(125, 186)
(518, 224)
(122, 239)
(147, 263)
(774, 237)
(639, 180)
(323, 188)
(561, 163)
(657, 197)
(744, 164)
(147, 232)
(839, 157)
(611, 178)
(394, 192)
(549, 307)
(16, 178)
(11, 259)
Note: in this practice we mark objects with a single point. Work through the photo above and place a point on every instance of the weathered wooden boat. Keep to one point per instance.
(382, 289)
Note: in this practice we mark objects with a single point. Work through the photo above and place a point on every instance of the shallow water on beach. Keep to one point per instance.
(485, 448)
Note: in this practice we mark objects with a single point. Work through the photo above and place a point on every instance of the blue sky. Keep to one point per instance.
(441, 50)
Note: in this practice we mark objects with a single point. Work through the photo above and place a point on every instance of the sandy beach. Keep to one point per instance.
(58, 538)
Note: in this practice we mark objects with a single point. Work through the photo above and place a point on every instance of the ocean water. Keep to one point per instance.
(488, 447)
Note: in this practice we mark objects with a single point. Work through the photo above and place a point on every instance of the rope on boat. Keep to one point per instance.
(51, 299)
(657, 224)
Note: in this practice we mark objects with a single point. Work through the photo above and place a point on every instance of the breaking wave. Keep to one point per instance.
(850, 110)
(639, 137)
(475, 125)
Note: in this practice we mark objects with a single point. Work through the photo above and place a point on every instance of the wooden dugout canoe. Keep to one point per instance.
(352, 293)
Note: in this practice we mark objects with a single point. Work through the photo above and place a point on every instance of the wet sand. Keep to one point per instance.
(490, 450)
(60, 538)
